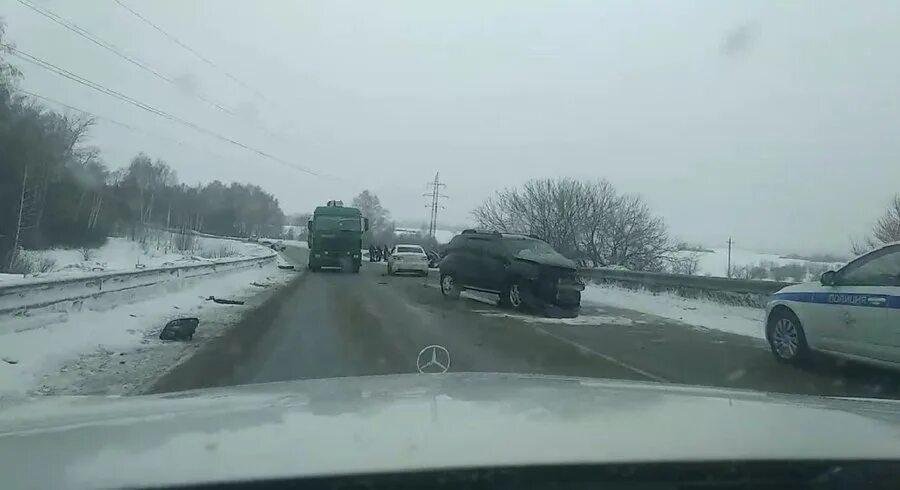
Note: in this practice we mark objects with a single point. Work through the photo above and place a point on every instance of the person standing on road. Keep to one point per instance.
(371, 253)
(386, 253)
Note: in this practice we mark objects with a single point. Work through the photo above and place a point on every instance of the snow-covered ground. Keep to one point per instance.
(715, 263)
(112, 350)
(121, 254)
(740, 320)
(295, 243)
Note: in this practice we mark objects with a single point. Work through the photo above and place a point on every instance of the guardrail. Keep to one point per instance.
(736, 291)
(41, 293)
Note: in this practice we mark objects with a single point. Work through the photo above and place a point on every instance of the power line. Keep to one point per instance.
(94, 39)
(124, 98)
(120, 123)
(191, 50)
(435, 196)
(49, 14)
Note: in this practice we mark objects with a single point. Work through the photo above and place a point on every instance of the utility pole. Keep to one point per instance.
(729, 256)
(436, 196)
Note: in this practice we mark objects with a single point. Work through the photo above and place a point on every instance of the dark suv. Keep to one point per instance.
(523, 270)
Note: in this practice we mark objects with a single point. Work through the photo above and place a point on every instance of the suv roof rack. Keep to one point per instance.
(472, 231)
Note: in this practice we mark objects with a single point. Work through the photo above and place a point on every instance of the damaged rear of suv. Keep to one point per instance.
(524, 271)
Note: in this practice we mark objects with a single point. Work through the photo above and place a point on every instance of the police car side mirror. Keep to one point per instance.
(828, 278)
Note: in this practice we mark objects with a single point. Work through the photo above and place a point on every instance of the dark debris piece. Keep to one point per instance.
(179, 329)
(223, 301)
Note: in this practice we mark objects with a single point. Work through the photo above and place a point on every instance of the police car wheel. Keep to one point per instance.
(786, 337)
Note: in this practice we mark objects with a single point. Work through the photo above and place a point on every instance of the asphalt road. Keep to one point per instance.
(332, 324)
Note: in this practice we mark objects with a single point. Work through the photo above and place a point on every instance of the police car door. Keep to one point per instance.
(868, 290)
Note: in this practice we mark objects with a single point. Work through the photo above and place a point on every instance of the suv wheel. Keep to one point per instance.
(511, 296)
(449, 288)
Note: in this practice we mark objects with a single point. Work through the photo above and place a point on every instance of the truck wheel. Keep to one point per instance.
(449, 288)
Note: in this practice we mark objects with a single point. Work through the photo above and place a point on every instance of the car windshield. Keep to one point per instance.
(302, 195)
(528, 246)
(332, 223)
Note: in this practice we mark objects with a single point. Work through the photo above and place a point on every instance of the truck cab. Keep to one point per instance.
(335, 237)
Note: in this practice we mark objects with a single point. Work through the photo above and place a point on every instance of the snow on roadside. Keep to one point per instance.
(605, 320)
(740, 320)
(295, 243)
(121, 254)
(83, 348)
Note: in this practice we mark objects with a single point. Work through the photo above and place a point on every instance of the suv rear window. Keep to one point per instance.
(417, 250)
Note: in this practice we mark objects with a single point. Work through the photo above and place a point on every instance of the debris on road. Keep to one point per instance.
(223, 301)
(9, 360)
(179, 329)
(285, 266)
(259, 285)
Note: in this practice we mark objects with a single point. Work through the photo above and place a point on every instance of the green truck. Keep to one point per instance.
(335, 237)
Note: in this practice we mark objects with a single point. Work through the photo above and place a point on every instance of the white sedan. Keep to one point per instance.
(407, 258)
(852, 313)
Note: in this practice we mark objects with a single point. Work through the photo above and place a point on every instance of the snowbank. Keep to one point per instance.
(89, 342)
(740, 320)
(120, 254)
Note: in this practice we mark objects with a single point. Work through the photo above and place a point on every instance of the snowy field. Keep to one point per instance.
(121, 254)
(739, 320)
(112, 350)
(715, 263)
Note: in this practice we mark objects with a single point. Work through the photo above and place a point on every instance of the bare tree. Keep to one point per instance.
(886, 229)
(586, 221)
(25, 216)
(381, 228)
(686, 263)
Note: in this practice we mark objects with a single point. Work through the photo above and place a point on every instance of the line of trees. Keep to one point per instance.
(588, 221)
(56, 192)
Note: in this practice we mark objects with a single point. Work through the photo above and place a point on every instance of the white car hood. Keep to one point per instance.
(803, 287)
(403, 422)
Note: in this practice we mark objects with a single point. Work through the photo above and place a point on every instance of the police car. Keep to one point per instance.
(852, 313)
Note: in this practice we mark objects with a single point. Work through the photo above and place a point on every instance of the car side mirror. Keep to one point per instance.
(309, 225)
(829, 278)
(365, 224)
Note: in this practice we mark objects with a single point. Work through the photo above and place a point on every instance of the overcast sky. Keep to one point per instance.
(777, 123)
